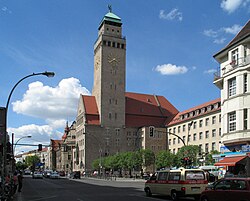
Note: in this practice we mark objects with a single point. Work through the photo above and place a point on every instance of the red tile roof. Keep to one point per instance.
(146, 110)
(91, 110)
(141, 110)
(55, 144)
(177, 118)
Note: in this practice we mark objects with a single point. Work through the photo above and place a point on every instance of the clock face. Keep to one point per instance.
(113, 59)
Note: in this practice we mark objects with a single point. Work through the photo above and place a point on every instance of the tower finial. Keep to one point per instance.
(110, 8)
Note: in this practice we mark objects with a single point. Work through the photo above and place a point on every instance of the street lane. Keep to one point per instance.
(82, 190)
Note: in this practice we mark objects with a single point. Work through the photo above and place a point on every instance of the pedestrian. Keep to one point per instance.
(15, 181)
(20, 181)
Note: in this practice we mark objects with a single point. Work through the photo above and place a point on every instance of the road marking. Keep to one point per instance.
(44, 198)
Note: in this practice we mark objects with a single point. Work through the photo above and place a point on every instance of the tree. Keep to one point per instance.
(31, 161)
(21, 166)
(165, 159)
(148, 157)
(190, 152)
(209, 157)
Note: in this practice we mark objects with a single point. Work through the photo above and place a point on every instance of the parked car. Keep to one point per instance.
(228, 189)
(27, 172)
(54, 175)
(47, 173)
(62, 173)
(37, 175)
(75, 175)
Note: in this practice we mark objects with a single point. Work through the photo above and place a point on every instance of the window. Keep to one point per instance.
(169, 142)
(184, 128)
(200, 123)
(213, 119)
(184, 138)
(109, 43)
(195, 124)
(109, 115)
(219, 131)
(235, 56)
(174, 141)
(207, 122)
(213, 146)
(194, 137)
(122, 46)
(213, 132)
(113, 44)
(173, 151)
(174, 176)
(245, 83)
(179, 140)
(200, 149)
(174, 130)
(220, 118)
(232, 121)
(189, 138)
(207, 134)
(179, 129)
(245, 119)
(231, 87)
(200, 135)
(206, 148)
(162, 176)
(118, 44)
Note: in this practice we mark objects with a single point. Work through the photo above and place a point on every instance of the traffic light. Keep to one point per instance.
(151, 131)
(8, 147)
(40, 147)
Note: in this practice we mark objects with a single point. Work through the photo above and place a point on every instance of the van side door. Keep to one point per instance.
(162, 184)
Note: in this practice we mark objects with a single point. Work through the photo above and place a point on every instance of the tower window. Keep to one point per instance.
(122, 46)
(110, 115)
(113, 30)
(118, 45)
(113, 44)
(118, 31)
(109, 43)
(104, 42)
(107, 28)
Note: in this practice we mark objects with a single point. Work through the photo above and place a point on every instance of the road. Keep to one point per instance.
(83, 190)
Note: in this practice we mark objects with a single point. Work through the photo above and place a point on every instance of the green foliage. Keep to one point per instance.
(21, 166)
(209, 157)
(148, 157)
(165, 159)
(32, 160)
(190, 151)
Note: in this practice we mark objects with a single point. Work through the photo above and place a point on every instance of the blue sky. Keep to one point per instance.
(170, 48)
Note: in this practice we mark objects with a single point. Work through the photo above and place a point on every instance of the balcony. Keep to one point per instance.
(235, 64)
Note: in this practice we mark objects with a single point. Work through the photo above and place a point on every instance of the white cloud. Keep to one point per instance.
(172, 15)
(232, 30)
(40, 135)
(6, 10)
(219, 40)
(50, 103)
(170, 69)
(210, 33)
(210, 71)
(219, 35)
(231, 5)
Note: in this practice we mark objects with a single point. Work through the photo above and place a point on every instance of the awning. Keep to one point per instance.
(230, 161)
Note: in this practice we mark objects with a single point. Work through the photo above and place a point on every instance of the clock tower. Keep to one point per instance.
(110, 72)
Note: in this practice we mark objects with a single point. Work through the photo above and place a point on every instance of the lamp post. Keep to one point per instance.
(29, 136)
(4, 162)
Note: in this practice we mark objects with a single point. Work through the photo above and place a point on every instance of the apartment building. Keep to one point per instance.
(233, 80)
(200, 125)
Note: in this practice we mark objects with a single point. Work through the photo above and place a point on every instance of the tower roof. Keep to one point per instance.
(111, 18)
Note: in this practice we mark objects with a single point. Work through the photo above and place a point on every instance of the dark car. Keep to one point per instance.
(75, 175)
(228, 189)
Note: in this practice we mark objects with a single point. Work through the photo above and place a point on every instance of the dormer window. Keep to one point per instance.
(235, 57)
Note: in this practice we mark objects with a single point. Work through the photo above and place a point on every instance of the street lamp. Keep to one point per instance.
(29, 136)
(48, 74)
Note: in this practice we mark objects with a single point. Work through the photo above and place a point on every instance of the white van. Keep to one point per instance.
(177, 183)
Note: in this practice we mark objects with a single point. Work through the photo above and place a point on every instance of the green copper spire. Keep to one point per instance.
(111, 18)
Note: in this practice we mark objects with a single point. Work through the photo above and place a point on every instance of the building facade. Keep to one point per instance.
(234, 82)
(199, 126)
